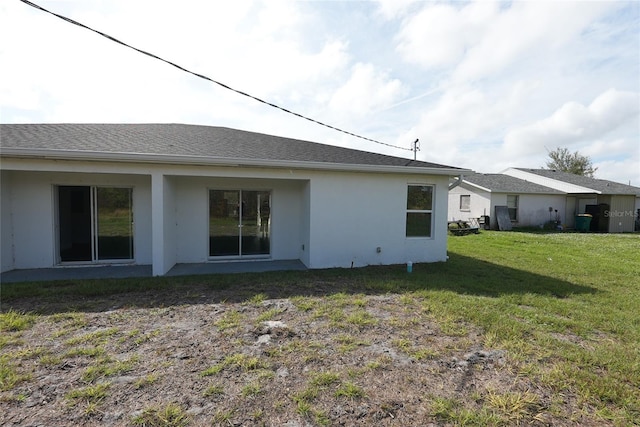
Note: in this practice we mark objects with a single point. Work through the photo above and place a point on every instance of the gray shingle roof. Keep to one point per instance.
(507, 184)
(602, 185)
(169, 140)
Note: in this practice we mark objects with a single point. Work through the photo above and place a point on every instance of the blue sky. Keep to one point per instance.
(483, 85)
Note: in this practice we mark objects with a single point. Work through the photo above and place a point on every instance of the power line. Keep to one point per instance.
(113, 39)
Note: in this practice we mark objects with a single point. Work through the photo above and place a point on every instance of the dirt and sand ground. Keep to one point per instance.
(249, 357)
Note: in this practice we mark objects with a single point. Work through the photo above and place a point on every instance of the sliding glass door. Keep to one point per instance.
(95, 224)
(256, 218)
(113, 223)
(239, 223)
(224, 223)
(74, 224)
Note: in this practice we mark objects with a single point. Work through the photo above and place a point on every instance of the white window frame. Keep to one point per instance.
(423, 211)
(467, 198)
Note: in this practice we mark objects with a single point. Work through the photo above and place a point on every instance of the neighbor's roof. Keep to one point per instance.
(180, 143)
(500, 183)
(602, 185)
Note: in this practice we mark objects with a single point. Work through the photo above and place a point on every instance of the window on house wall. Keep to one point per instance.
(512, 206)
(419, 210)
(465, 202)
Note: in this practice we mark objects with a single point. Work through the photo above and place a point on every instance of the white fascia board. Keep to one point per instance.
(545, 193)
(565, 187)
(530, 193)
(479, 187)
(219, 161)
(471, 184)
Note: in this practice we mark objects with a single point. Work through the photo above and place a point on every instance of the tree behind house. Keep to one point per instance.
(562, 159)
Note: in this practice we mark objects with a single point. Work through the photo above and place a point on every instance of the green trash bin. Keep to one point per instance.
(583, 222)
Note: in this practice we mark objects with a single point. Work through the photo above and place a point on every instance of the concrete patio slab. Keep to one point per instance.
(236, 267)
(76, 273)
(125, 271)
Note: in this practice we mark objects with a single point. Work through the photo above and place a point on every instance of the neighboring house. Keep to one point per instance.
(478, 194)
(537, 196)
(613, 205)
(162, 194)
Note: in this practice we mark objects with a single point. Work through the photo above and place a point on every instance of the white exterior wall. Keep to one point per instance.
(533, 209)
(621, 214)
(288, 232)
(583, 201)
(480, 203)
(305, 224)
(324, 218)
(570, 212)
(354, 214)
(169, 224)
(6, 223)
(192, 214)
(497, 199)
(33, 211)
(33, 221)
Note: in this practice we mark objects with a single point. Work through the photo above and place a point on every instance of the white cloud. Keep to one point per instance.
(466, 122)
(366, 90)
(527, 32)
(391, 9)
(624, 170)
(610, 148)
(440, 34)
(481, 38)
(442, 123)
(94, 77)
(574, 123)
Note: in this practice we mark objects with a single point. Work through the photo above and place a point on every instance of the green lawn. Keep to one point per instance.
(565, 307)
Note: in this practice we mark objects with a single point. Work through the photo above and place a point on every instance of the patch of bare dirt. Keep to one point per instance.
(222, 360)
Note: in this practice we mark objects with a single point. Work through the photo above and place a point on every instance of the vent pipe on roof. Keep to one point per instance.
(458, 182)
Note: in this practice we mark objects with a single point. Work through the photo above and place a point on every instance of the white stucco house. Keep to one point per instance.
(536, 196)
(163, 194)
(478, 194)
(612, 204)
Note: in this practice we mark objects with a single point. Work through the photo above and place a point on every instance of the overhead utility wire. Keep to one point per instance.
(113, 39)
